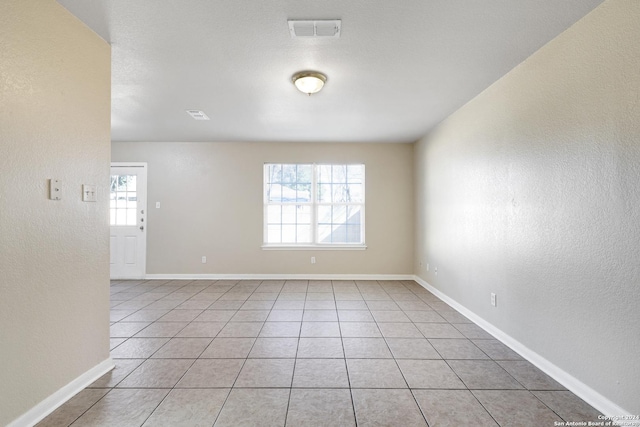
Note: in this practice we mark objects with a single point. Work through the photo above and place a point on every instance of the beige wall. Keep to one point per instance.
(532, 191)
(211, 204)
(54, 280)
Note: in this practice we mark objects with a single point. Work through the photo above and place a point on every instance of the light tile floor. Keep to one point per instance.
(308, 353)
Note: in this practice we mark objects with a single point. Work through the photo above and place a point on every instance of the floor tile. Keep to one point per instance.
(188, 408)
(133, 408)
(126, 329)
(320, 348)
(366, 348)
(569, 406)
(355, 316)
(319, 286)
(289, 305)
(412, 348)
(438, 330)
(274, 348)
(254, 407)
(280, 329)
(320, 316)
(382, 305)
(452, 408)
(530, 376)
(146, 315)
(354, 297)
(257, 305)
(327, 407)
(241, 330)
(263, 296)
(425, 316)
(386, 408)
(228, 348)
(375, 373)
(161, 329)
(235, 296)
(195, 305)
(209, 373)
(114, 342)
(117, 315)
(413, 305)
(359, 330)
(285, 316)
(429, 374)
(320, 305)
(399, 330)
(73, 408)
(294, 288)
(292, 296)
(250, 316)
(266, 373)
(457, 349)
(516, 407)
(389, 316)
(138, 348)
(320, 296)
(226, 305)
(375, 296)
(269, 288)
(453, 316)
(483, 374)
(320, 329)
(123, 368)
(215, 316)
(202, 329)
(182, 348)
(473, 331)
(320, 373)
(350, 304)
(157, 373)
(496, 350)
(180, 315)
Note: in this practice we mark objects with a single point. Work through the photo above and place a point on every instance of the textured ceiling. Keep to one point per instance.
(398, 68)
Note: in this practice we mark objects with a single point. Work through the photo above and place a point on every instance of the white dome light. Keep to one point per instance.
(309, 81)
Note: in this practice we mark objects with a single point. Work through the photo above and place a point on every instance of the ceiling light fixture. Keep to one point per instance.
(309, 81)
(197, 114)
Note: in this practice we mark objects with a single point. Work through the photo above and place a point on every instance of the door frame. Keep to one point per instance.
(144, 167)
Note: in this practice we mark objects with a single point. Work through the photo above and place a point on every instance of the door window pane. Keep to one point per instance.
(123, 200)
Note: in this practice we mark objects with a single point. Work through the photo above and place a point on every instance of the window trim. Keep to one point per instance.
(314, 211)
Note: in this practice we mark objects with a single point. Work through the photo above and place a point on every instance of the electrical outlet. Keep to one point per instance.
(204, 259)
(157, 205)
(435, 270)
(313, 260)
(494, 302)
(55, 189)
(427, 266)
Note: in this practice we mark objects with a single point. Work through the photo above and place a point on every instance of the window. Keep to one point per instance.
(123, 200)
(308, 205)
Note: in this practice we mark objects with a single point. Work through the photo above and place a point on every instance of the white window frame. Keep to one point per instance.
(314, 245)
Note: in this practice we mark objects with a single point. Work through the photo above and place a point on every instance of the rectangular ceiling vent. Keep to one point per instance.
(322, 28)
(198, 115)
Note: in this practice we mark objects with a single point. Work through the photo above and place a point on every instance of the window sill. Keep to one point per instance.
(314, 247)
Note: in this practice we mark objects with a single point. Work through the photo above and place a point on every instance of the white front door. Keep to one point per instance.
(128, 219)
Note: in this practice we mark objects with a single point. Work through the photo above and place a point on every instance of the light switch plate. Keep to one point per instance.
(89, 193)
(55, 189)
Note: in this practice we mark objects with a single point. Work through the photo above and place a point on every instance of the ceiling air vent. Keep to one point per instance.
(323, 28)
(198, 115)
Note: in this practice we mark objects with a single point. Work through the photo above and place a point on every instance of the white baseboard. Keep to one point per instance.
(53, 402)
(280, 276)
(580, 389)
